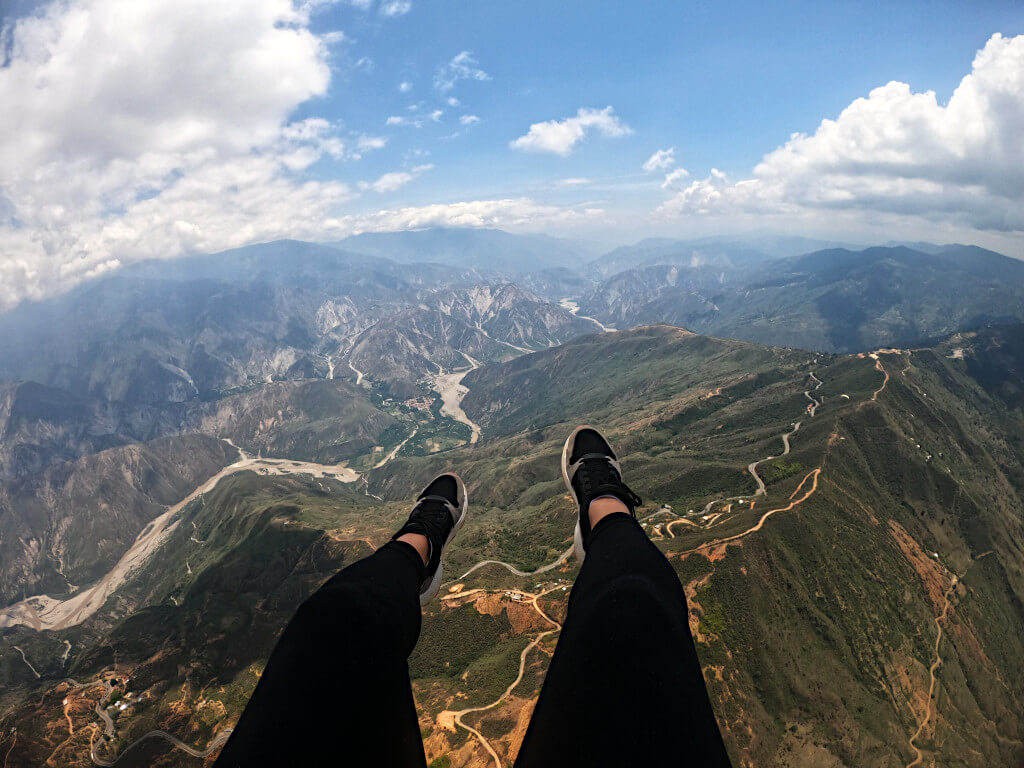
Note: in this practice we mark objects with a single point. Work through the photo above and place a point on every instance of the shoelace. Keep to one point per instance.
(598, 476)
(433, 513)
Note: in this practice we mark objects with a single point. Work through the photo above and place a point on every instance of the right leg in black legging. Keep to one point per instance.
(625, 685)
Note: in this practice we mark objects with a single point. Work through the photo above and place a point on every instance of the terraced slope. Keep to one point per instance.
(862, 610)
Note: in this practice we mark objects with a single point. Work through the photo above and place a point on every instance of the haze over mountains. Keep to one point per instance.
(189, 447)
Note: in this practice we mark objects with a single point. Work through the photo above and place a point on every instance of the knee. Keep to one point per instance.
(336, 606)
(630, 608)
(358, 617)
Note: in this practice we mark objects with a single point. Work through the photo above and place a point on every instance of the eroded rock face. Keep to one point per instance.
(69, 524)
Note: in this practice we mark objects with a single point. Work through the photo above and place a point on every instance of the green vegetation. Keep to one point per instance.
(820, 627)
(779, 469)
(454, 639)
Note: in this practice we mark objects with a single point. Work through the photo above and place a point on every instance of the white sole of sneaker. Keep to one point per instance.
(577, 536)
(435, 583)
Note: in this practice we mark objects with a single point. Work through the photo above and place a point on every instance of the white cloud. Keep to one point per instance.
(462, 67)
(469, 119)
(367, 143)
(514, 213)
(575, 181)
(395, 180)
(400, 120)
(405, 87)
(661, 160)
(436, 115)
(561, 136)
(128, 146)
(453, 102)
(672, 178)
(899, 152)
(395, 8)
(332, 38)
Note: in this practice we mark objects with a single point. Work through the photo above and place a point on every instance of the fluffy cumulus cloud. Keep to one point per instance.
(898, 152)
(560, 137)
(661, 160)
(128, 144)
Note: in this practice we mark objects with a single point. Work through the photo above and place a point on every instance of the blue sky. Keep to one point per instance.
(724, 83)
(167, 127)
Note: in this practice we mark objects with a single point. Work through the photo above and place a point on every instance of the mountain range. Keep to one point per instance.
(828, 442)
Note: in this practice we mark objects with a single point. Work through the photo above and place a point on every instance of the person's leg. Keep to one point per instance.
(625, 685)
(336, 689)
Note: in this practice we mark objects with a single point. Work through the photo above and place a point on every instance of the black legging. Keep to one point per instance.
(624, 686)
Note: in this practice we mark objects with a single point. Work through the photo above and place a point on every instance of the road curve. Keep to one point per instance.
(217, 743)
(556, 627)
(815, 403)
(752, 469)
(543, 569)
(931, 672)
(814, 473)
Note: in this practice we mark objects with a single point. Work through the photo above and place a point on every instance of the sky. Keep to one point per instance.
(151, 130)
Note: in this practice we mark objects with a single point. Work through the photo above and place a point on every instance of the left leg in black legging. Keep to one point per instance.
(625, 685)
(336, 689)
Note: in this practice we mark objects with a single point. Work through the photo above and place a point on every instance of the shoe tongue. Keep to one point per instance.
(598, 462)
(437, 509)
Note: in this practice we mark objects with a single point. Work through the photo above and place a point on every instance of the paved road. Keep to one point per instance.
(217, 743)
(543, 569)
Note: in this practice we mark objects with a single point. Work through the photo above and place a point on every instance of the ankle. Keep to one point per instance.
(418, 542)
(602, 507)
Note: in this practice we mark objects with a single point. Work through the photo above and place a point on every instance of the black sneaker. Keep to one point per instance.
(439, 512)
(590, 470)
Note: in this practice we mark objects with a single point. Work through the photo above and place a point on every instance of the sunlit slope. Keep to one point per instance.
(816, 604)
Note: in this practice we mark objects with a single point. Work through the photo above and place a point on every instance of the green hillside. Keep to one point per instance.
(816, 606)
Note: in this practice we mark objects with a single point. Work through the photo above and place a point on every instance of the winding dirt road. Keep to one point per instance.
(556, 627)
(885, 381)
(929, 707)
(752, 469)
(813, 474)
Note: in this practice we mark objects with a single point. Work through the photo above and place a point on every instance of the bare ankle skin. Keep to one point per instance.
(419, 542)
(601, 508)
